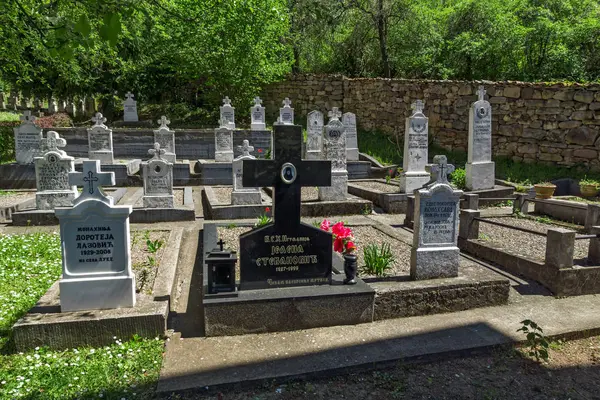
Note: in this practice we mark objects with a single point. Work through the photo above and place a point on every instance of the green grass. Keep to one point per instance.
(6, 192)
(9, 116)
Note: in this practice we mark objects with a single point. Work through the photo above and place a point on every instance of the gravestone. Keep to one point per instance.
(70, 109)
(52, 174)
(28, 139)
(349, 121)
(285, 252)
(96, 260)
(80, 107)
(100, 141)
(223, 144)
(52, 107)
(12, 101)
(314, 136)
(416, 139)
(62, 106)
(158, 180)
(243, 195)
(480, 169)
(130, 113)
(286, 113)
(166, 138)
(434, 252)
(257, 114)
(227, 119)
(90, 105)
(334, 149)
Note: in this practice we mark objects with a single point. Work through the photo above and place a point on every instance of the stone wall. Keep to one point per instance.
(555, 123)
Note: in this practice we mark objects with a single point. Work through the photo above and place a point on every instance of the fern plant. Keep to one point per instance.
(378, 260)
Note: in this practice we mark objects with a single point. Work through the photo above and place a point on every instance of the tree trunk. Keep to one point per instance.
(385, 62)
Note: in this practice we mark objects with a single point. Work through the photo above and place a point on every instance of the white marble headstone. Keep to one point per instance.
(28, 139)
(158, 180)
(286, 113)
(334, 149)
(314, 135)
(480, 169)
(257, 115)
(414, 175)
(100, 141)
(349, 121)
(223, 145)
(227, 112)
(166, 138)
(130, 113)
(241, 194)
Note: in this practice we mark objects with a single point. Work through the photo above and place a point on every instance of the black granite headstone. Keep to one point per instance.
(286, 252)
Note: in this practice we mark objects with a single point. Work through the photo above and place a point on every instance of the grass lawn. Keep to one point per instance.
(29, 265)
(9, 116)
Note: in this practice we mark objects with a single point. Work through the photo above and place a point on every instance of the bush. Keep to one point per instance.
(459, 178)
(59, 120)
(378, 260)
(7, 141)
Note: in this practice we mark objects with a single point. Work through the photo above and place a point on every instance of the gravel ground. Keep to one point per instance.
(528, 245)
(8, 199)
(310, 193)
(382, 187)
(144, 269)
(178, 193)
(231, 237)
(223, 194)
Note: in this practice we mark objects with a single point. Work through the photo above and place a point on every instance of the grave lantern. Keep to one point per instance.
(221, 269)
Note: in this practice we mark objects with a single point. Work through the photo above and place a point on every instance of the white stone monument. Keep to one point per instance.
(349, 121)
(257, 114)
(52, 174)
(227, 112)
(334, 149)
(166, 138)
(480, 169)
(314, 135)
(28, 139)
(158, 180)
(100, 141)
(96, 246)
(52, 106)
(241, 194)
(286, 113)
(416, 144)
(130, 108)
(223, 144)
(435, 253)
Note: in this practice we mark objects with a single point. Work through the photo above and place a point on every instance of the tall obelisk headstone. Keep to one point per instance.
(480, 169)
(227, 112)
(314, 136)
(166, 138)
(349, 121)
(241, 194)
(100, 141)
(257, 114)
(414, 175)
(334, 149)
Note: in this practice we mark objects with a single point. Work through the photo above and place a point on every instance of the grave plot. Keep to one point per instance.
(15, 200)
(183, 210)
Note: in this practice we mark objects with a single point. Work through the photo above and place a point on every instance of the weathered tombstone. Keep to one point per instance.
(434, 252)
(314, 136)
(241, 194)
(257, 113)
(166, 138)
(90, 105)
(334, 149)
(158, 180)
(70, 109)
(286, 252)
(130, 108)
(95, 245)
(52, 106)
(349, 121)
(62, 106)
(80, 107)
(227, 112)
(223, 144)
(286, 113)
(28, 139)
(480, 169)
(100, 141)
(52, 174)
(414, 175)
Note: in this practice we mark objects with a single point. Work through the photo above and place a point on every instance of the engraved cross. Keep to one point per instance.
(441, 168)
(481, 93)
(335, 113)
(92, 174)
(53, 141)
(27, 118)
(227, 101)
(156, 152)
(163, 121)
(129, 95)
(257, 101)
(99, 119)
(418, 106)
(287, 102)
(245, 148)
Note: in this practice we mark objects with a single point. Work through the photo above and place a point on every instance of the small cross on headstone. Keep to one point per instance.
(418, 106)
(481, 93)
(335, 113)
(99, 119)
(226, 100)
(27, 118)
(52, 142)
(245, 148)
(287, 102)
(129, 95)
(156, 152)
(257, 101)
(163, 121)
(221, 243)
(441, 168)
(92, 179)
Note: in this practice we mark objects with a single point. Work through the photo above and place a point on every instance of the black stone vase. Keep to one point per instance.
(350, 268)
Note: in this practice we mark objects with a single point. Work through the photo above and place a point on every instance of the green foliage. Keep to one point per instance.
(152, 247)
(529, 174)
(459, 178)
(588, 181)
(7, 141)
(381, 147)
(378, 260)
(537, 344)
(264, 219)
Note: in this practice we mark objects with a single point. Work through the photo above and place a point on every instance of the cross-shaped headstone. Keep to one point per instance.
(418, 106)
(226, 100)
(441, 168)
(129, 95)
(335, 113)
(163, 121)
(245, 148)
(99, 119)
(157, 152)
(287, 102)
(92, 179)
(257, 101)
(287, 173)
(52, 142)
(481, 93)
(221, 243)
(27, 118)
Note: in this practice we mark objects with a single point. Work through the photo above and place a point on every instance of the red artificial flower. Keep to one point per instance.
(338, 229)
(325, 225)
(338, 245)
(268, 209)
(391, 171)
(350, 246)
(260, 150)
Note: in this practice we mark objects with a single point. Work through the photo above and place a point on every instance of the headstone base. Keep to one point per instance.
(246, 198)
(480, 176)
(97, 293)
(338, 191)
(49, 200)
(105, 157)
(411, 181)
(258, 127)
(428, 263)
(352, 154)
(313, 155)
(224, 156)
(159, 201)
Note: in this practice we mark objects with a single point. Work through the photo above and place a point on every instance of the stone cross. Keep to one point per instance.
(442, 169)
(129, 95)
(221, 243)
(418, 106)
(226, 100)
(163, 121)
(245, 148)
(92, 179)
(53, 141)
(157, 152)
(27, 118)
(99, 119)
(335, 113)
(287, 102)
(481, 93)
(257, 101)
